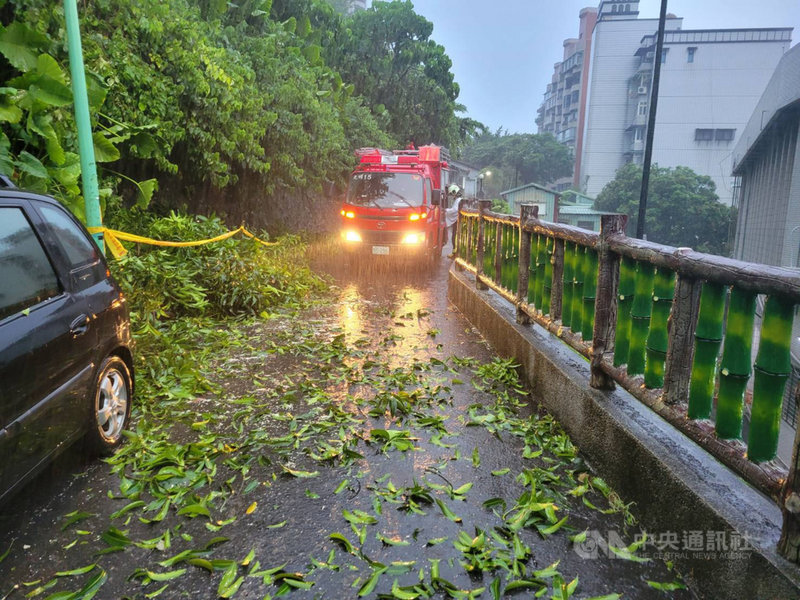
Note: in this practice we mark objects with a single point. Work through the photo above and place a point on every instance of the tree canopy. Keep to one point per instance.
(682, 207)
(517, 159)
(387, 54)
(209, 93)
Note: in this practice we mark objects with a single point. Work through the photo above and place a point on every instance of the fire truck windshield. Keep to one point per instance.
(385, 190)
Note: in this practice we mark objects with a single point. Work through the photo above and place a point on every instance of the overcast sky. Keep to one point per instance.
(503, 51)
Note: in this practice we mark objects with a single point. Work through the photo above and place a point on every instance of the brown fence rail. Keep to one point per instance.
(672, 326)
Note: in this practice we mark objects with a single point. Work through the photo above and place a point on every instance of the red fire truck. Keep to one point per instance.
(395, 203)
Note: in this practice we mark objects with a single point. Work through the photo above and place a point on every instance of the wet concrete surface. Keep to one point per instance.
(401, 312)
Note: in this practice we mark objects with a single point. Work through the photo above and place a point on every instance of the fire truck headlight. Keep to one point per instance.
(414, 238)
(352, 236)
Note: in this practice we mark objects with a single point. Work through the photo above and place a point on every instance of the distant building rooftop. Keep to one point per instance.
(530, 185)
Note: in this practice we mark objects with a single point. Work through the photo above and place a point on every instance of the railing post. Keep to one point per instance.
(527, 211)
(605, 308)
(483, 208)
(681, 325)
(789, 544)
(557, 291)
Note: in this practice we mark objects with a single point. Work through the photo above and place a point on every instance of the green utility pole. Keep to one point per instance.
(91, 195)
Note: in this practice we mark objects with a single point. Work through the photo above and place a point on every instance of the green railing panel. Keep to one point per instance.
(473, 250)
(579, 259)
(589, 293)
(627, 275)
(489, 245)
(567, 284)
(736, 368)
(663, 293)
(547, 283)
(708, 339)
(503, 244)
(533, 269)
(463, 241)
(465, 246)
(509, 256)
(514, 276)
(640, 316)
(505, 256)
(773, 366)
(541, 256)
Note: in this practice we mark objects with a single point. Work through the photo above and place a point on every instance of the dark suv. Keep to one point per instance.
(66, 368)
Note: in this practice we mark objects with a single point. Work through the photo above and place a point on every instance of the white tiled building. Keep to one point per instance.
(710, 83)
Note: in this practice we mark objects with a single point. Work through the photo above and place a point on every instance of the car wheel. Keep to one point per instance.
(111, 405)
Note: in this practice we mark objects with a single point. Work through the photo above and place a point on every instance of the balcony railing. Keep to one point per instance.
(653, 319)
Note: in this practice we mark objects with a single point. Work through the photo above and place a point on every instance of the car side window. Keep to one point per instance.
(26, 275)
(80, 251)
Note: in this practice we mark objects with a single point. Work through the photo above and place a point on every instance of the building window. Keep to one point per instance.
(641, 110)
(690, 54)
(638, 134)
(664, 55)
(627, 8)
(703, 135)
(614, 8)
(724, 135)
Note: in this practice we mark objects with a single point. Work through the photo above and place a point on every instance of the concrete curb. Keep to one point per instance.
(676, 485)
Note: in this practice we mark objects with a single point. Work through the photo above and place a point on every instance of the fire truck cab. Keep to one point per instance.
(395, 203)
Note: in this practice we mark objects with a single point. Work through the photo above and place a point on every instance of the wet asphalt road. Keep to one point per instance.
(296, 516)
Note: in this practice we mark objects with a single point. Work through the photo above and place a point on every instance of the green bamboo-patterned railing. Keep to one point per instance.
(654, 319)
(657, 339)
(627, 272)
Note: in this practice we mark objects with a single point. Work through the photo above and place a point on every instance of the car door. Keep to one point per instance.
(45, 347)
(86, 282)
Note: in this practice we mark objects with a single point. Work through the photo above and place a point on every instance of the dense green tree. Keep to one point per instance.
(519, 158)
(201, 95)
(207, 92)
(682, 207)
(387, 54)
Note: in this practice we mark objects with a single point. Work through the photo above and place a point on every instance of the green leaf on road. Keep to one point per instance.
(299, 474)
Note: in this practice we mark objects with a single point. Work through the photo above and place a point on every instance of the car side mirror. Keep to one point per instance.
(436, 197)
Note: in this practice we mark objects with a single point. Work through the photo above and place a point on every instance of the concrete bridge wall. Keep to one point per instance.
(676, 485)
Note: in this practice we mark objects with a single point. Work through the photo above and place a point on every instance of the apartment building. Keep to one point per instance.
(563, 110)
(711, 80)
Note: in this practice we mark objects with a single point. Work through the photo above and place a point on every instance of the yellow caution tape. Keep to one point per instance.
(112, 239)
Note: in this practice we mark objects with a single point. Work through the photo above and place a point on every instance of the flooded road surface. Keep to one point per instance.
(370, 446)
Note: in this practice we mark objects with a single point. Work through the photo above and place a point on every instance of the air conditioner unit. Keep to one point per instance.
(642, 90)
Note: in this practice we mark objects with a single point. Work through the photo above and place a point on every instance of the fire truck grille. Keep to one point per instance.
(381, 237)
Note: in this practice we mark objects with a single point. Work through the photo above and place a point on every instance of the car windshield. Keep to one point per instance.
(385, 190)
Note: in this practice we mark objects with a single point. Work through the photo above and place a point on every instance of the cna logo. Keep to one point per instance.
(666, 545)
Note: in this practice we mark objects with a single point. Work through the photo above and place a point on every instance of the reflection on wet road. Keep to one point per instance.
(374, 446)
